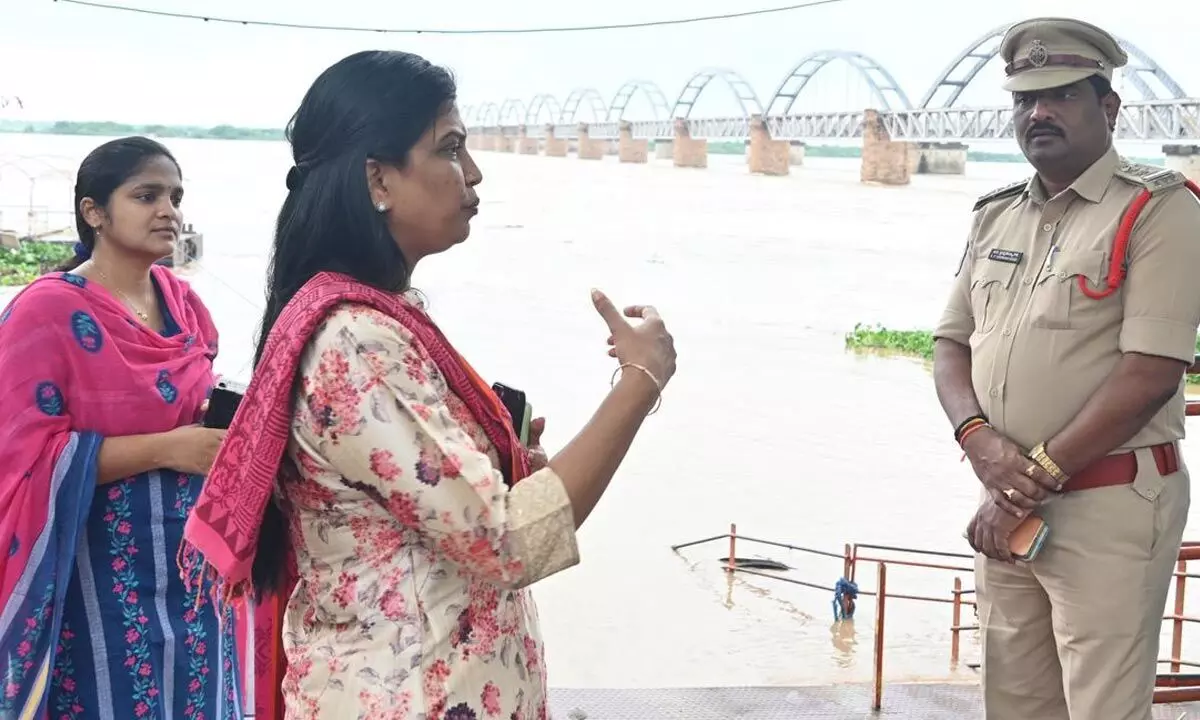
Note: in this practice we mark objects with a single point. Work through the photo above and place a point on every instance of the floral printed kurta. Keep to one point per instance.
(413, 553)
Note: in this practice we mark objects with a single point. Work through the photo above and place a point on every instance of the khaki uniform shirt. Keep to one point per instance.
(1040, 348)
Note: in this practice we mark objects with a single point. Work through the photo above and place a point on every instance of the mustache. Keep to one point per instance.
(1044, 127)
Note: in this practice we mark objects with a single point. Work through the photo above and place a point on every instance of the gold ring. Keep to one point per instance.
(1009, 493)
(1029, 471)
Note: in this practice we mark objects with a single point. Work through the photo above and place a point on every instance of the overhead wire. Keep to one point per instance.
(447, 31)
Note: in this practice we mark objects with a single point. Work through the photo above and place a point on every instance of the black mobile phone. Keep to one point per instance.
(223, 404)
(518, 408)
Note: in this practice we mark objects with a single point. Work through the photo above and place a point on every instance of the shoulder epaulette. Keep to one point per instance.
(1006, 191)
(1150, 177)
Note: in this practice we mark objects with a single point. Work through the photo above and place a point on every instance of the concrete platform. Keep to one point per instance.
(848, 702)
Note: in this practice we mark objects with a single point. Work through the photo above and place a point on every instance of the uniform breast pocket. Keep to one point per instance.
(1058, 303)
(989, 287)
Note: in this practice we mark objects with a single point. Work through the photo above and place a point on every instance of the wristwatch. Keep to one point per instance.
(1039, 456)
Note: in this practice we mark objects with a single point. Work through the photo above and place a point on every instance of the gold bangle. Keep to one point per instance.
(646, 371)
(1039, 456)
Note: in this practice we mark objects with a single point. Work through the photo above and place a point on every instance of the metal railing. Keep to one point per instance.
(851, 556)
(1177, 686)
(1172, 687)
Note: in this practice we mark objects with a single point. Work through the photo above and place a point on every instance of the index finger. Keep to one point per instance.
(645, 312)
(1007, 505)
(608, 311)
(1026, 487)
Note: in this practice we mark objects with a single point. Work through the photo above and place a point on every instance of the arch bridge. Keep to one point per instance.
(1159, 109)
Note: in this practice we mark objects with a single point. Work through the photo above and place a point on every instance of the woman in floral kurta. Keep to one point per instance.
(401, 621)
(415, 517)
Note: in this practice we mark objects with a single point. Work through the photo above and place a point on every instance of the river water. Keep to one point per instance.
(769, 423)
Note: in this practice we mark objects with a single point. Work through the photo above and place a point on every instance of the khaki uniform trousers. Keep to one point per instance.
(1074, 635)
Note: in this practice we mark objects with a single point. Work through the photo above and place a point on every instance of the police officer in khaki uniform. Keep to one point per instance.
(1064, 380)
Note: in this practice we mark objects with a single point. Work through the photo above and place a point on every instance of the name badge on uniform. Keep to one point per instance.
(1006, 256)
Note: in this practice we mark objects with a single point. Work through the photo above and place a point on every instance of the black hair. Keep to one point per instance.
(372, 105)
(105, 169)
(1101, 85)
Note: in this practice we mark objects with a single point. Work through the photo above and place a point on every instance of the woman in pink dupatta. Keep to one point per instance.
(408, 520)
(104, 371)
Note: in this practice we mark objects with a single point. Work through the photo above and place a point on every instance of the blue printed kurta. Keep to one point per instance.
(135, 643)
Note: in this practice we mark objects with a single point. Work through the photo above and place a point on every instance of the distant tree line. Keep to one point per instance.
(111, 129)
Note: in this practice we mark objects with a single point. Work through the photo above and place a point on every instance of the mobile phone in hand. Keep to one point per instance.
(1028, 538)
(518, 408)
(223, 404)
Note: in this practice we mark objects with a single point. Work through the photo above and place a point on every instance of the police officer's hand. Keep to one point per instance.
(989, 530)
(1015, 483)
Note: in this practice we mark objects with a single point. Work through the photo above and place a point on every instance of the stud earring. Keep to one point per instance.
(381, 207)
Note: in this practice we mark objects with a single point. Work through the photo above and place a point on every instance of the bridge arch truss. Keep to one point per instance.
(512, 112)
(1146, 66)
(540, 102)
(487, 114)
(963, 69)
(883, 85)
(653, 93)
(570, 108)
(746, 97)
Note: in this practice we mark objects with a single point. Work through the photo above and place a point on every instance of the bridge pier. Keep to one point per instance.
(555, 147)
(1184, 159)
(796, 151)
(767, 156)
(687, 151)
(590, 149)
(938, 158)
(884, 160)
(489, 142)
(525, 144)
(629, 148)
(504, 143)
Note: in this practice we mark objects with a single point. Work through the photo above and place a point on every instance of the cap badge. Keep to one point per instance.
(1038, 54)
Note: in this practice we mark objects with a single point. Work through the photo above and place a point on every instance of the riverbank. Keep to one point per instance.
(914, 343)
(104, 128)
(230, 132)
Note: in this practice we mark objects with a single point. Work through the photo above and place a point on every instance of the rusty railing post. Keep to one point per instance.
(880, 605)
(853, 562)
(1177, 628)
(957, 622)
(732, 547)
(846, 561)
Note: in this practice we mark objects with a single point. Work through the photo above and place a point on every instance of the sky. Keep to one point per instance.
(69, 62)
